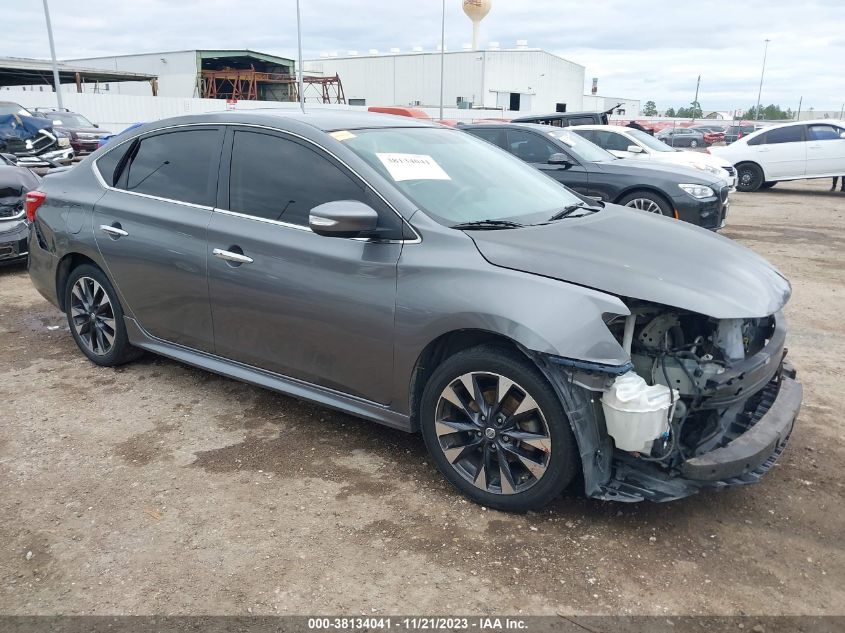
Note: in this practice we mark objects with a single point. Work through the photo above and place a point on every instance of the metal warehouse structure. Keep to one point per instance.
(514, 79)
(36, 74)
(220, 74)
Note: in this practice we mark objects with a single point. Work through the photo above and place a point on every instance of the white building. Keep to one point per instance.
(514, 79)
(622, 106)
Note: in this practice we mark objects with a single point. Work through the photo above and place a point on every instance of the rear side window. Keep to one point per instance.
(108, 164)
(789, 134)
(177, 166)
(279, 179)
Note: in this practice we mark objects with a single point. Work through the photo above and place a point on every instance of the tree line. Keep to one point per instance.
(770, 112)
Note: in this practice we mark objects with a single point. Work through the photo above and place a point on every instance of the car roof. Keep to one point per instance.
(777, 126)
(537, 127)
(609, 128)
(322, 119)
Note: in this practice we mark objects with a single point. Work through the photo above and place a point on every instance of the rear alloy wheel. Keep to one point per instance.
(497, 431)
(749, 177)
(95, 318)
(647, 201)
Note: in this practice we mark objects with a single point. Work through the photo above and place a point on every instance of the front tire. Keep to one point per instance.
(749, 177)
(768, 184)
(95, 318)
(647, 201)
(693, 143)
(497, 431)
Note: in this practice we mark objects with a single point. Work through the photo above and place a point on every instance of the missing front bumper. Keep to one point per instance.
(744, 460)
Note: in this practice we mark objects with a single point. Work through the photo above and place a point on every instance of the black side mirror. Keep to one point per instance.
(96, 125)
(343, 218)
(561, 159)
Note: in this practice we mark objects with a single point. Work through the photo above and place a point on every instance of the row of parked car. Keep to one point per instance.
(439, 281)
(44, 137)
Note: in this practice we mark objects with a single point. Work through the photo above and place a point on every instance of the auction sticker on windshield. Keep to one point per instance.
(412, 167)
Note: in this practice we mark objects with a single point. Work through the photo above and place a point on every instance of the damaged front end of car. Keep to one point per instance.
(704, 403)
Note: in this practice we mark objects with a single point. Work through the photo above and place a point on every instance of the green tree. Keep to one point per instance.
(650, 109)
(770, 112)
(670, 112)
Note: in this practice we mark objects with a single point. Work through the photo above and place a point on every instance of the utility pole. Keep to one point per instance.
(800, 101)
(762, 72)
(695, 101)
(442, 55)
(56, 81)
(299, 59)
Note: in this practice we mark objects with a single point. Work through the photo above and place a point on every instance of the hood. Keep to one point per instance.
(645, 169)
(631, 253)
(690, 158)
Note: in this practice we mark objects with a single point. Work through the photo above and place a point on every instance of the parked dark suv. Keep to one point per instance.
(84, 135)
(676, 191)
(419, 277)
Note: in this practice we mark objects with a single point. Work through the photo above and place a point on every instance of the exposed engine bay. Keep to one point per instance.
(680, 415)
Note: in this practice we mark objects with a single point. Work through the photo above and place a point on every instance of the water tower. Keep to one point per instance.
(476, 10)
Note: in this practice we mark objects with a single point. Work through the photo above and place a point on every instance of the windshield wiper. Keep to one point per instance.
(569, 209)
(488, 224)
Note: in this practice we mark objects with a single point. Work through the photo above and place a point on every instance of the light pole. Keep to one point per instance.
(762, 72)
(299, 60)
(442, 54)
(56, 82)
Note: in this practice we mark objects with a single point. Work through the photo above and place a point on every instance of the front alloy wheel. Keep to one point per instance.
(497, 430)
(493, 433)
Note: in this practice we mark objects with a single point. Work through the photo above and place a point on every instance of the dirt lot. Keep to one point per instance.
(158, 488)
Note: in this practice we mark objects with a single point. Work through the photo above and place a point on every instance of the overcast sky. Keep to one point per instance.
(649, 49)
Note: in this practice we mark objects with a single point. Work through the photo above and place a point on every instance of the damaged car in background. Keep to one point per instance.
(15, 183)
(32, 139)
(422, 278)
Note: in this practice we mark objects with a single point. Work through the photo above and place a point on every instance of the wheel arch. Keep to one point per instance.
(442, 347)
(751, 162)
(66, 265)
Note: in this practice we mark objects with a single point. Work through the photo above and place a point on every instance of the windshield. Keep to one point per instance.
(457, 178)
(650, 142)
(13, 108)
(583, 149)
(69, 119)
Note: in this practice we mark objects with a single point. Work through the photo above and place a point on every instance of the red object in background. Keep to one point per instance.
(399, 111)
(34, 199)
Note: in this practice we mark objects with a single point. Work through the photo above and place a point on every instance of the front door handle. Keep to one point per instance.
(229, 256)
(113, 231)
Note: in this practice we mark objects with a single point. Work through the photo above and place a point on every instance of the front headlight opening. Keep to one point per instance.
(698, 191)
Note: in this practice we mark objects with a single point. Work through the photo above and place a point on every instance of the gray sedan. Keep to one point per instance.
(422, 278)
(681, 137)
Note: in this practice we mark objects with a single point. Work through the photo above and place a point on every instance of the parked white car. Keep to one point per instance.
(625, 142)
(788, 151)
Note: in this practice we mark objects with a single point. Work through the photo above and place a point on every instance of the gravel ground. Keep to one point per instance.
(158, 488)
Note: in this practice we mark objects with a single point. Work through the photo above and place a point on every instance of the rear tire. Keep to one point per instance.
(749, 177)
(497, 431)
(95, 318)
(647, 201)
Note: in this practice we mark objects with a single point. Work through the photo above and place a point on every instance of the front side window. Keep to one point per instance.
(789, 134)
(613, 141)
(282, 180)
(497, 137)
(530, 147)
(823, 133)
(455, 177)
(179, 166)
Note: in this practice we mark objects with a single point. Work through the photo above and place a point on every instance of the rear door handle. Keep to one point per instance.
(229, 256)
(113, 231)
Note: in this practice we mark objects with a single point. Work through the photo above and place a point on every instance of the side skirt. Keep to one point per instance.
(261, 378)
